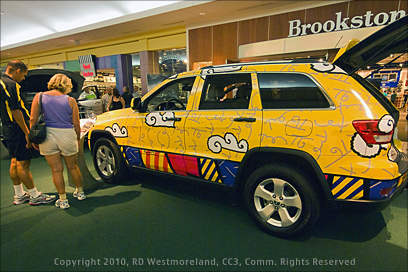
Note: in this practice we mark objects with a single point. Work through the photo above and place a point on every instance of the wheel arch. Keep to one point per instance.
(110, 163)
(258, 157)
(97, 134)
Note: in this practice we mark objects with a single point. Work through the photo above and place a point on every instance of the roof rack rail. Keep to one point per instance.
(305, 60)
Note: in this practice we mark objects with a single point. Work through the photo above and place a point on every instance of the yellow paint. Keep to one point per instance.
(346, 47)
(352, 189)
(325, 134)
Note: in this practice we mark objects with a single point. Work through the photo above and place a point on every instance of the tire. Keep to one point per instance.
(108, 161)
(281, 200)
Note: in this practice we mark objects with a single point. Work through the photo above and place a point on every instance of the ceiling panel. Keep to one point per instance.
(54, 15)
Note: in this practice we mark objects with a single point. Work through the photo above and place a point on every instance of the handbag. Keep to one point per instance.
(38, 131)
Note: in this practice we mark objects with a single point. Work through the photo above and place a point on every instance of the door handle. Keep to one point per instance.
(176, 119)
(244, 119)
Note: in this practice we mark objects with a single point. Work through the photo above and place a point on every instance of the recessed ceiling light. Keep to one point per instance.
(2, 12)
(202, 13)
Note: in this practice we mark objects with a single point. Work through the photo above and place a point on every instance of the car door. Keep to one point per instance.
(156, 133)
(224, 125)
(91, 99)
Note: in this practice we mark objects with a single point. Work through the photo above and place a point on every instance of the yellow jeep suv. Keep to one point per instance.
(293, 137)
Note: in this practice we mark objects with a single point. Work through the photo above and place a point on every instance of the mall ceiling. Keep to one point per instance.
(22, 16)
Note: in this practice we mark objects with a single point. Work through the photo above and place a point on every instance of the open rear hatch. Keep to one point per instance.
(36, 81)
(391, 39)
(388, 40)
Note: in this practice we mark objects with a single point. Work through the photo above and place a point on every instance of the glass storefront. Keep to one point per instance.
(173, 61)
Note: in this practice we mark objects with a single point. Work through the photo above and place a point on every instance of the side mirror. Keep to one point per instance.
(136, 103)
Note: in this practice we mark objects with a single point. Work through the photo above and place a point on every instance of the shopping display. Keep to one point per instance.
(292, 137)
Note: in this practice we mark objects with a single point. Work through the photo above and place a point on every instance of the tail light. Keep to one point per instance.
(370, 131)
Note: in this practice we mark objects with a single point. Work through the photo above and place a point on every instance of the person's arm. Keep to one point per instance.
(110, 101)
(34, 109)
(123, 102)
(34, 114)
(75, 117)
(19, 118)
(104, 103)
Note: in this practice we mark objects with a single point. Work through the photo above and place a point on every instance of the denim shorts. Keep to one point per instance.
(62, 140)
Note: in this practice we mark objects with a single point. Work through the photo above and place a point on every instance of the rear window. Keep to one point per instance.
(290, 91)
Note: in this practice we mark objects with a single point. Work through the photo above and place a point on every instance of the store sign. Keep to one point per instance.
(87, 66)
(296, 28)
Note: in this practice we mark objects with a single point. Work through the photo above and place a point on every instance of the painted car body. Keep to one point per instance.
(210, 145)
(224, 123)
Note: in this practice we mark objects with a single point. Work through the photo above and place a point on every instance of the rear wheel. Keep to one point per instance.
(108, 161)
(281, 200)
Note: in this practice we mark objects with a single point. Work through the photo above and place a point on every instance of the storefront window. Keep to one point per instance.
(136, 72)
(59, 65)
(173, 61)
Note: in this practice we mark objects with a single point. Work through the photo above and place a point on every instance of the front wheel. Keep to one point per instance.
(108, 161)
(281, 200)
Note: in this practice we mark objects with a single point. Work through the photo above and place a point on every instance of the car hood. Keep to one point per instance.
(36, 80)
(388, 40)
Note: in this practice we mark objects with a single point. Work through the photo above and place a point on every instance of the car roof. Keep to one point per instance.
(391, 39)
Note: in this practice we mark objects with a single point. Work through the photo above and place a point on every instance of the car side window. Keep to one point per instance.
(172, 96)
(288, 91)
(226, 91)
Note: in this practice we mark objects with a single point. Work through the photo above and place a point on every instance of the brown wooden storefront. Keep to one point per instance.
(221, 43)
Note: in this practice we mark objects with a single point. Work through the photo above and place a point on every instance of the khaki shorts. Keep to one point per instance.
(62, 140)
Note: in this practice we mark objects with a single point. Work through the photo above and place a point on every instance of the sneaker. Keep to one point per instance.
(41, 199)
(79, 195)
(62, 204)
(21, 199)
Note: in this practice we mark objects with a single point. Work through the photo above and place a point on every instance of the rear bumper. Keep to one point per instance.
(357, 206)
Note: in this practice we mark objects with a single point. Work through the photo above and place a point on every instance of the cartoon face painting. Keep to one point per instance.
(327, 68)
(367, 150)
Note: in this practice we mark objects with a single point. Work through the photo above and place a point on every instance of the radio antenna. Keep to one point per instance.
(328, 57)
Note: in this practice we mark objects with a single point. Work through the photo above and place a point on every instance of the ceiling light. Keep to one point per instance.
(202, 13)
(2, 12)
